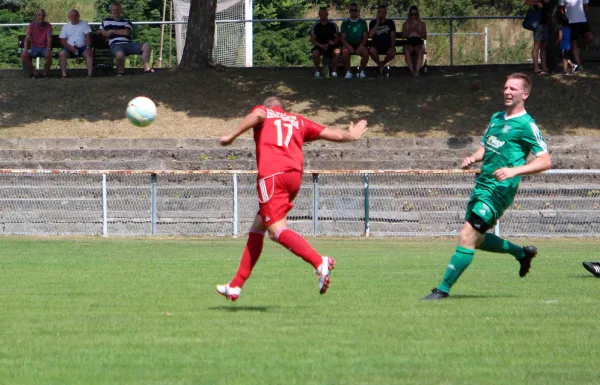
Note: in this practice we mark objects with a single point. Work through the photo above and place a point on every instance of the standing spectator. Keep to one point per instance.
(564, 39)
(575, 11)
(415, 33)
(76, 39)
(382, 31)
(38, 43)
(325, 35)
(118, 33)
(354, 41)
(540, 35)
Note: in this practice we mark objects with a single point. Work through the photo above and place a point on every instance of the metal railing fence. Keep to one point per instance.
(564, 203)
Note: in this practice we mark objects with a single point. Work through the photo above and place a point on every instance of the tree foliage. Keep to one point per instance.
(281, 44)
(275, 44)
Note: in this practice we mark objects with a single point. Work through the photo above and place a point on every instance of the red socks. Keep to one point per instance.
(299, 246)
(250, 256)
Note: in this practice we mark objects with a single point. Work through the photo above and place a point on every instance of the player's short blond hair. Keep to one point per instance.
(524, 78)
(274, 101)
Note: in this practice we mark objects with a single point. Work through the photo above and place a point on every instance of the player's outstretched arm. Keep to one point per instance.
(539, 164)
(253, 119)
(477, 156)
(354, 132)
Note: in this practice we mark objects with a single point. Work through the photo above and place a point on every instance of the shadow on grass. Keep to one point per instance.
(583, 275)
(481, 296)
(234, 309)
(453, 101)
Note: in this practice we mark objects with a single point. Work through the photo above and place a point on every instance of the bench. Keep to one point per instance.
(102, 55)
(399, 44)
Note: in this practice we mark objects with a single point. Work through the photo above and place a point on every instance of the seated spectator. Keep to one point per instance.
(382, 32)
(354, 41)
(76, 39)
(324, 34)
(415, 33)
(118, 33)
(38, 43)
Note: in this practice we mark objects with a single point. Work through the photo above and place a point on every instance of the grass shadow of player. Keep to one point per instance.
(234, 309)
(481, 296)
(583, 275)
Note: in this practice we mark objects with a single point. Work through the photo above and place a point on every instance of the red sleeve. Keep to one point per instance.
(29, 29)
(258, 107)
(311, 130)
(49, 29)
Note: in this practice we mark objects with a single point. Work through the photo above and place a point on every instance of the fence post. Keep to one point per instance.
(249, 34)
(367, 222)
(235, 205)
(315, 210)
(497, 228)
(153, 203)
(486, 45)
(451, 42)
(104, 207)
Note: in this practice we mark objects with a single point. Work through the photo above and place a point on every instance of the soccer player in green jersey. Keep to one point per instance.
(508, 140)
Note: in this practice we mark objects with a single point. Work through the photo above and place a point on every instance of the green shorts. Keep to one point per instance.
(485, 209)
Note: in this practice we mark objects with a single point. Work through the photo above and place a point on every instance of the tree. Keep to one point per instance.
(281, 44)
(200, 35)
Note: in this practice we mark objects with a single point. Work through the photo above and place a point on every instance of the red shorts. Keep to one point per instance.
(275, 195)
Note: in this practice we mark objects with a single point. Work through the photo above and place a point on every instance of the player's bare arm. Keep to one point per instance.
(539, 164)
(354, 132)
(253, 119)
(477, 156)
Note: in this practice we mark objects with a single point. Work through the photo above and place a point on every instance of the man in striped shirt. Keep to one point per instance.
(117, 31)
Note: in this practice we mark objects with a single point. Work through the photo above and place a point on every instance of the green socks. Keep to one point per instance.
(495, 244)
(459, 262)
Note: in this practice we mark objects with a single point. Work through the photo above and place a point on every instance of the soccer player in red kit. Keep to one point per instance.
(279, 136)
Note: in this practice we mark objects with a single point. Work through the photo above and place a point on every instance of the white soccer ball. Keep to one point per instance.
(141, 111)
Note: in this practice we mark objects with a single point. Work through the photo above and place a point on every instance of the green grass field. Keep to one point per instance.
(145, 311)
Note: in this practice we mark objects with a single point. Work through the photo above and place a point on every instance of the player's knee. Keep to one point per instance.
(273, 236)
(468, 237)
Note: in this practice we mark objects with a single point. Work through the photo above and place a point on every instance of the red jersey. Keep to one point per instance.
(39, 33)
(279, 141)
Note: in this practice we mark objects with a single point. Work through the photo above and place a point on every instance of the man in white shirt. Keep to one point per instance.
(575, 11)
(76, 39)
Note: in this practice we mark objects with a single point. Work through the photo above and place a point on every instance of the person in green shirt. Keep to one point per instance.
(354, 41)
(508, 140)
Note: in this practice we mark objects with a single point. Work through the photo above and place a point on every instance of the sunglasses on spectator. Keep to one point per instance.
(354, 10)
(40, 14)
